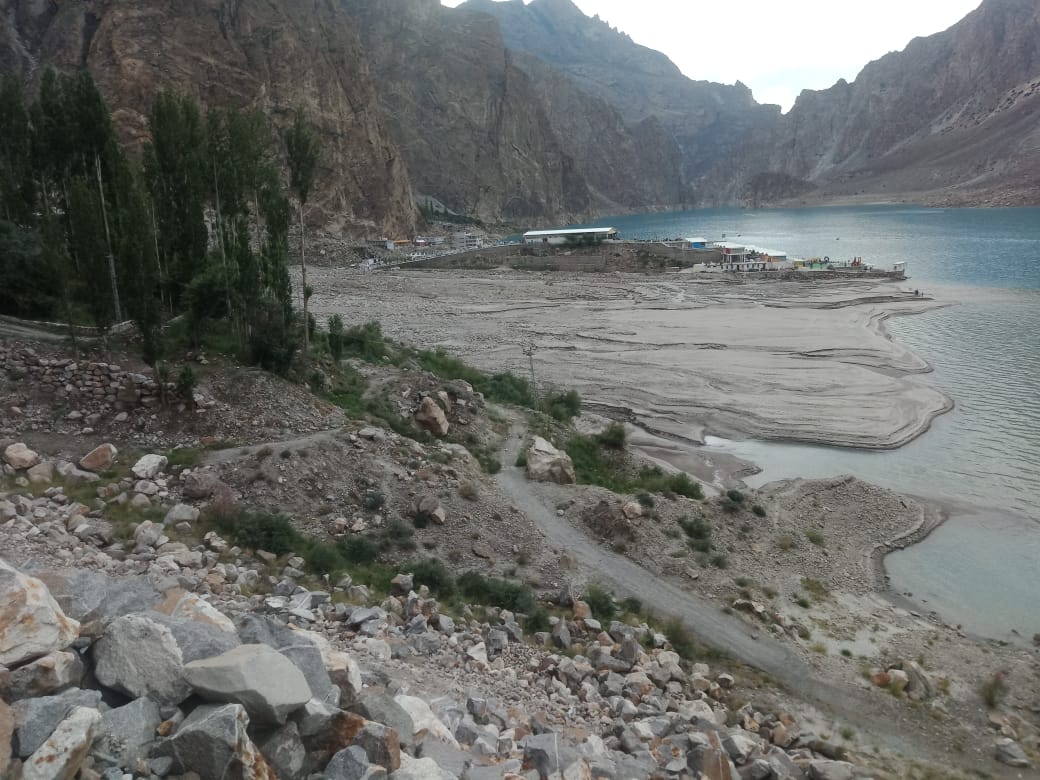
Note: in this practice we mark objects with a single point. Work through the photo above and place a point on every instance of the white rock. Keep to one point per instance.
(149, 466)
(65, 750)
(31, 622)
(181, 513)
(545, 463)
(424, 719)
(18, 456)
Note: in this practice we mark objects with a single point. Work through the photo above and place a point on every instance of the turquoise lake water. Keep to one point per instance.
(982, 568)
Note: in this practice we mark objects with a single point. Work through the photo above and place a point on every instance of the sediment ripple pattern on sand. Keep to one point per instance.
(777, 360)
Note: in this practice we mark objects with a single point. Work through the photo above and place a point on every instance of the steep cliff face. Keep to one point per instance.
(627, 167)
(472, 128)
(706, 121)
(950, 119)
(263, 54)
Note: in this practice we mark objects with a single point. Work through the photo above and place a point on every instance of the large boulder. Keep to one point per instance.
(378, 706)
(545, 463)
(199, 485)
(1009, 752)
(36, 719)
(50, 674)
(285, 752)
(41, 473)
(431, 417)
(149, 466)
(181, 513)
(125, 734)
(31, 622)
(309, 652)
(95, 599)
(352, 763)
(139, 656)
(179, 603)
(258, 677)
(62, 755)
(18, 456)
(99, 458)
(424, 721)
(212, 742)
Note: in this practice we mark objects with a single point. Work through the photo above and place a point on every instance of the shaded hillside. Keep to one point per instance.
(260, 54)
(468, 121)
(707, 121)
(951, 119)
(626, 167)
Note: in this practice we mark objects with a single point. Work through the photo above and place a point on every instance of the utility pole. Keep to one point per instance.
(108, 238)
(529, 349)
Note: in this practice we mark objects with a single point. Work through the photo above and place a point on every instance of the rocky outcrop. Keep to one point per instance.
(31, 622)
(949, 120)
(468, 120)
(545, 463)
(705, 121)
(252, 54)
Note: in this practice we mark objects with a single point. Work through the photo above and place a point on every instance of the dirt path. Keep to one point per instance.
(887, 723)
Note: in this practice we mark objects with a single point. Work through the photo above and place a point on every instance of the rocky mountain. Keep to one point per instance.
(705, 121)
(260, 54)
(468, 121)
(951, 119)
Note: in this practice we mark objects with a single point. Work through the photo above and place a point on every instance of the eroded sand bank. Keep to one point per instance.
(684, 354)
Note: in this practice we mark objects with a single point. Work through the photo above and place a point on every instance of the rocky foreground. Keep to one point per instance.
(183, 646)
(147, 657)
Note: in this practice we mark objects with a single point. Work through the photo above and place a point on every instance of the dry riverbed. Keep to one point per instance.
(680, 353)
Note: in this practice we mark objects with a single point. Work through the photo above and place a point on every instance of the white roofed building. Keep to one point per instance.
(570, 235)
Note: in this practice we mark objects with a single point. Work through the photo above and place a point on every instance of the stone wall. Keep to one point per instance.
(86, 387)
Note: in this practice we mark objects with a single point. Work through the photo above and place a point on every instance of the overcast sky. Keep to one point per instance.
(778, 48)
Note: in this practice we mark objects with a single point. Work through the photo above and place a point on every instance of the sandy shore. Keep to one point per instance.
(680, 355)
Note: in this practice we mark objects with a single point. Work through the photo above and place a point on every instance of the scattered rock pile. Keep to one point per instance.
(116, 683)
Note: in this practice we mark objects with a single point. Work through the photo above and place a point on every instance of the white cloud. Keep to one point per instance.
(776, 48)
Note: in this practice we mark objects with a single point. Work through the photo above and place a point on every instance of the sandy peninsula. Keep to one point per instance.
(680, 354)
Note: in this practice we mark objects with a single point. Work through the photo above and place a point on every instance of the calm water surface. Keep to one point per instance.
(981, 569)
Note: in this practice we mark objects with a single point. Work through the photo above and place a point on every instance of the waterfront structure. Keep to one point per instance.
(570, 235)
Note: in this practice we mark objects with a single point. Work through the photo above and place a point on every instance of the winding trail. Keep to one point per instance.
(888, 721)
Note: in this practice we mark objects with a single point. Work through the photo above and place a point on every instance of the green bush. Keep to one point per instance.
(632, 605)
(735, 496)
(698, 528)
(490, 463)
(815, 537)
(374, 500)
(680, 638)
(359, 549)
(994, 690)
(266, 531)
(434, 575)
(536, 621)
(720, 561)
(186, 383)
(759, 510)
(521, 459)
(336, 342)
(495, 592)
(562, 406)
(613, 437)
(600, 602)
(323, 558)
(365, 341)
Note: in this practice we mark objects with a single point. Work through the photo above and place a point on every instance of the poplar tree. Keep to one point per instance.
(302, 148)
